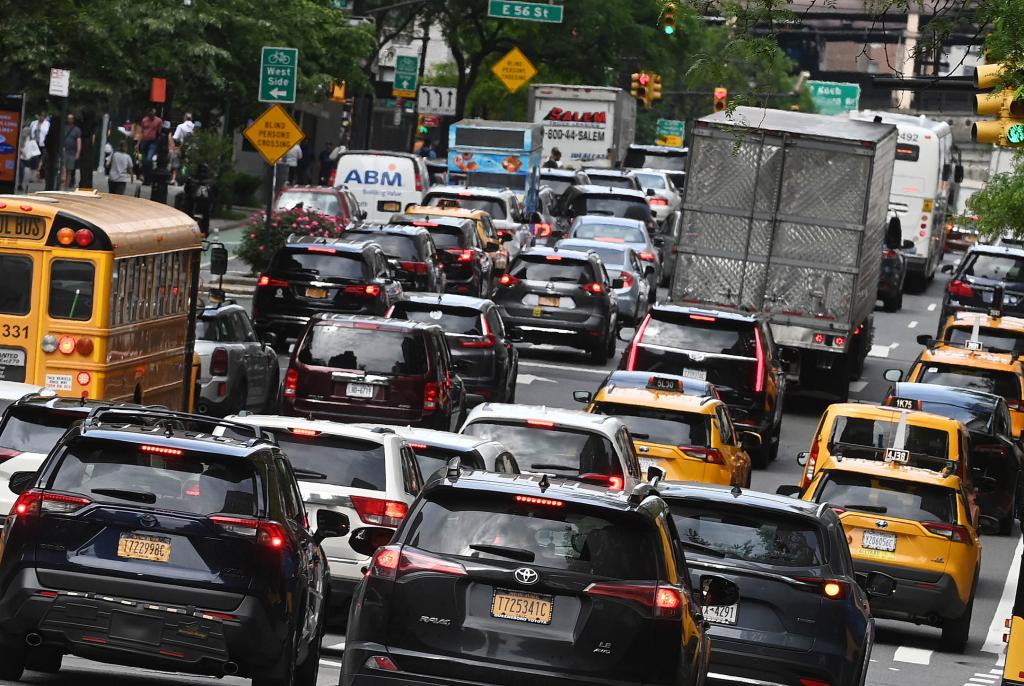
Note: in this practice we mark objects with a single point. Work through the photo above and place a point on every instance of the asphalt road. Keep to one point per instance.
(904, 654)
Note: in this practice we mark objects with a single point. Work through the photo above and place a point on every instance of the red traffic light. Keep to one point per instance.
(644, 79)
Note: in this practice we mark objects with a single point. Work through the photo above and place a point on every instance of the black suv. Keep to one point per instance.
(411, 253)
(735, 351)
(503, 579)
(469, 269)
(146, 541)
(563, 297)
(310, 275)
(988, 277)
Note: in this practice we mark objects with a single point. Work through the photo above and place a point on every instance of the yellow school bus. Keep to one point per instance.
(95, 295)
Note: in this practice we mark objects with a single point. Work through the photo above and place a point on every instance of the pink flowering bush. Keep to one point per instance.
(260, 241)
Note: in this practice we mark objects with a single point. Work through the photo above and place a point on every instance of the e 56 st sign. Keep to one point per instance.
(279, 71)
(529, 11)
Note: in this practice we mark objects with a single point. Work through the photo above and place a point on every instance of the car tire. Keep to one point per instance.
(270, 403)
(46, 660)
(307, 671)
(955, 632)
(13, 663)
(287, 671)
(599, 353)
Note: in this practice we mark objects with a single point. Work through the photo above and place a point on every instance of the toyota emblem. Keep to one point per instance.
(526, 576)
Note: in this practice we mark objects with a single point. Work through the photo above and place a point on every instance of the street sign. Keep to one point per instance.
(834, 98)
(529, 11)
(60, 82)
(279, 71)
(671, 127)
(437, 100)
(514, 70)
(407, 75)
(273, 134)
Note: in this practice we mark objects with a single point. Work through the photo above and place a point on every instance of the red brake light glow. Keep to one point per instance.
(329, 251)
(703, 318)
(960, 289)
(663, 600)
(291, 382)
(83, 238)
(508, 280)
(553, 258)
(162, 450)
(462, 254)
(379, 511)
(540, 423)
(953, 532)
(613, 482)
(647, 256)
(659, 202)
(304, 432)
(431, 392)
(593, 287)
(265, 281)
(533, 500)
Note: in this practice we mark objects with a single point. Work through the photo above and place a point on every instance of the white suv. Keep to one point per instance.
(370, 475)
(565, 443)
(434, 448)
(662, 194)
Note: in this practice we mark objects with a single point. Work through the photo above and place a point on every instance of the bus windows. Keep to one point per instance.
(71, 289)
(16, 295)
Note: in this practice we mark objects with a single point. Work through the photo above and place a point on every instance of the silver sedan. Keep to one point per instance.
(635, 296)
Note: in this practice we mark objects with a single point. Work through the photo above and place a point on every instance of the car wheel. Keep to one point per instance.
(13, 663)
(599, 352)
(273, 389)
(955, 632)
(46, 660)
(306, 673)
(287, 673)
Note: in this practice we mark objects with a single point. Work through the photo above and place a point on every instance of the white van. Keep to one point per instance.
(383, 182)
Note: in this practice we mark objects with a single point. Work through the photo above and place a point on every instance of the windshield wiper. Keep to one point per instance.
(521, 554)
(877, 509)
(555, 466)
(147, 498)
(704, 548)
(307, 474)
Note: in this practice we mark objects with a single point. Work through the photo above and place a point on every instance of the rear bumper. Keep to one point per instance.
(545, 329)
(755, 664)
(351, 412)
(918, 598)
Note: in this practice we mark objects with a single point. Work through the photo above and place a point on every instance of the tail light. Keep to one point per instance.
(381, 662)
(593, 287)
(833, 589)
(657, 202)
(647, 256)
(419, 182)
(7, 453)
(540, 423)
(812, 460)
(627, 279)
(543, 502)
(267, 282)
(371, 290)
(488, 341)
(219, 362)
(392, 561)
(267, 534)
(709, 455)
(66, 345)
(888, 252)
(613, 482)
(542, 230)
(814, 682)
(379, 511)
(954, 532)
(33, 502)
(664, 601)
(508, 280)
(413, 267)
(759, 374)
(960, 289)
(462, 254)
(430, 395)
(332, 176)
(291, 382)
(631, 361)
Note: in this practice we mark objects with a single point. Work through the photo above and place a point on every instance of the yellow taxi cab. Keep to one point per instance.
(484, 226)
(1013, 669)
(690, 437)
(913, 525)
(980, 330)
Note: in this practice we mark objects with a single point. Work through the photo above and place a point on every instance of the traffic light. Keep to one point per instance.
(639, 88)
(654, 91)
(421, 126)
(721, 99)
(1008, 129)
(338, 91)
(667, 21)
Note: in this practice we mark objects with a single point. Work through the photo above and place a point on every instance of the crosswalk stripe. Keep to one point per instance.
(915, 656)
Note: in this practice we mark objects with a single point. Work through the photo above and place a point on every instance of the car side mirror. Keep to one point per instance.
(787, 355)
(718, 592)
(801, 458)
(21, 482)
(893, 375)
(876, 584)
(650, 192)
(788, 490)
(582, 397)
(655, 474)
(367, 539)
(270, 339)
(218, 259)
(894, 234)
(946, 269)
(330, 524)
(926, 340)
(618, 283)
(988, 526)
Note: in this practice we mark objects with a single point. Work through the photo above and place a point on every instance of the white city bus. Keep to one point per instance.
(922, 184)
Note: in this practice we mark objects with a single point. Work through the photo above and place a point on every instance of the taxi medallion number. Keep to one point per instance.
(522, 607)
(22, 226)
(151, 548)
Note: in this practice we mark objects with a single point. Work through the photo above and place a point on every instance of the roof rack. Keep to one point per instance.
(155, 416)
(454, 469)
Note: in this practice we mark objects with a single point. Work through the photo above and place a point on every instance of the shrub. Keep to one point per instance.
(260, 241)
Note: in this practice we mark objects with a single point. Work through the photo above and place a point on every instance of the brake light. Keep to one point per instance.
(759, 378)
(613, 482)
(953, 532)
(542, 230)
(832, 589)
(304, 432)
(379, 511)
(161, 450)
(888, 252)
(430, 396)
(268, 534)
(540, 423)
(489, 340)
(814, 682)
(419, 182)
(429, 225)
(960, 289)
(371, 289)
(267, 282)
(462, 254)
(593, 287)
(657, 202)
(553, 258)
(627, 279)
(392, 561)
(381, 662)
(66, 345)
(703, 318)
(533, 500)
(219, 362)
(418, 446)
(291, 382)
(7, 453)
(508, 280)
(385, 563)
(32, 502)
(664, 601)
(329, 251)
(631, 362)
(84, 346)
(413, 267)
(709, 455)
(647, 256)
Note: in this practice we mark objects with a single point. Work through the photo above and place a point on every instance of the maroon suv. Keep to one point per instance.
(359, 368)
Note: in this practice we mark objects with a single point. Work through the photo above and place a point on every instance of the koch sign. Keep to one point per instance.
(834, 98)
(279, 70)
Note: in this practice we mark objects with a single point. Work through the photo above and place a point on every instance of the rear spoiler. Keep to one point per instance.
(151, 417)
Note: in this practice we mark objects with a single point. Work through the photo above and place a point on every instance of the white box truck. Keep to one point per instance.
(592, 126)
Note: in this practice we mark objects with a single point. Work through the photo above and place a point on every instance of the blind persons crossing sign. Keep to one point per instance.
(273, 134)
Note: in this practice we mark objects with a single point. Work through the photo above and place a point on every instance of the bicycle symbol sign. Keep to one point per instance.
(279, 73)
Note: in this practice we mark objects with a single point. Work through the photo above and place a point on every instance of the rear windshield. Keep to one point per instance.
(448, 237)
(651, 180)
(719, 336)
(492, 206)
(374, 351)
(890, 497)
(975, 417)
(596, 543)
(197, 483)
(432, 458)
(335, 460)
(990, 339)
(640, 158)
(319, 266)
(868, 438)
(1001, 383)
(402, 247)
(564, 452)
(661, 426)
(325, 203)
(559, 186)
(610, 256)
(613, 206)
(751, 535)
(997, 267)
(612, 181)
(614, 232)
(539, 268)
(462, 320)
(34, 430)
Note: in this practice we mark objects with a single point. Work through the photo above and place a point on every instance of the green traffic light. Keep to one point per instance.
(669, 30)
(1015, 134)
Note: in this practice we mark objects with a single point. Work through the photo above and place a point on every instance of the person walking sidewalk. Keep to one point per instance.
(121, 169)
(71, 153)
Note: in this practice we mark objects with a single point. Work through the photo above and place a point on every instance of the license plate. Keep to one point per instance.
(698, 374)
(720, 614)
(359, 390)
(12, 356)
(522, 607)
(897, 456)
(549, 300)
(537, 312)
(152, 548)
(877, 540)
(389, 206)
(316, 292)
(646, 463)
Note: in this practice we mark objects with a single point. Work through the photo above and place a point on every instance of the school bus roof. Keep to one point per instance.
(657, 400)
(892, 414)
(892, 470)
(134, 226)
(945, 354)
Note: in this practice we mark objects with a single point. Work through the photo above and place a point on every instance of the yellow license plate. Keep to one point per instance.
(316, 292)
(537, 312)
(522, 607)
(152, 548)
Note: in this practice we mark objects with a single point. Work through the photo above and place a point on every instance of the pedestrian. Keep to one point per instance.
(427, 150)
(72, 152)
(121, 169)
(185, 129)
(149, 131)
(29, 157)
(554, 159)
(291, 161)
(325, 164)
(38, 131)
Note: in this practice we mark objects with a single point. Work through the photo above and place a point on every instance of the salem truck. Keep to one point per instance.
(592, 126)
(784, 214)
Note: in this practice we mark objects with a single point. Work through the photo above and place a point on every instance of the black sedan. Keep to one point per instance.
(487, 361)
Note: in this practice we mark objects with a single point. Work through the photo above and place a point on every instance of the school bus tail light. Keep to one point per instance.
(83, 238)
(84, 345)
(66, 345)
(66, 236)
(49, 343)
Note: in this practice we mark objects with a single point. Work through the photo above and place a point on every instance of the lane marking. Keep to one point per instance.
(984, 677)
(915, 656)
(912, 325)
(994, 641)
(530, 378)
(893, 346)
(931, 308)
(565, 368)
(996, 671)
(858, 386)
(328, 663)
(879, 351)
(976, 680)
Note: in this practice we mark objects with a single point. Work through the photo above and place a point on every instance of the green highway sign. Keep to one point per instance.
(342, 5)
(279, 72)
(407, 75)
(834, 98)
(529, 11)
(671, 127)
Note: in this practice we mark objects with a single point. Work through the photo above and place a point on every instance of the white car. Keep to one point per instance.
(12, 390)
(566, 443)
(368, 474)
(663, 196)
(434, 448)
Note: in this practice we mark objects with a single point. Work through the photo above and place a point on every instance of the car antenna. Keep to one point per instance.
(544, 483)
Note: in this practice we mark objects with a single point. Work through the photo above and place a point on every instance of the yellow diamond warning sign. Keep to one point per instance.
(274, 133)
(514, 70)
